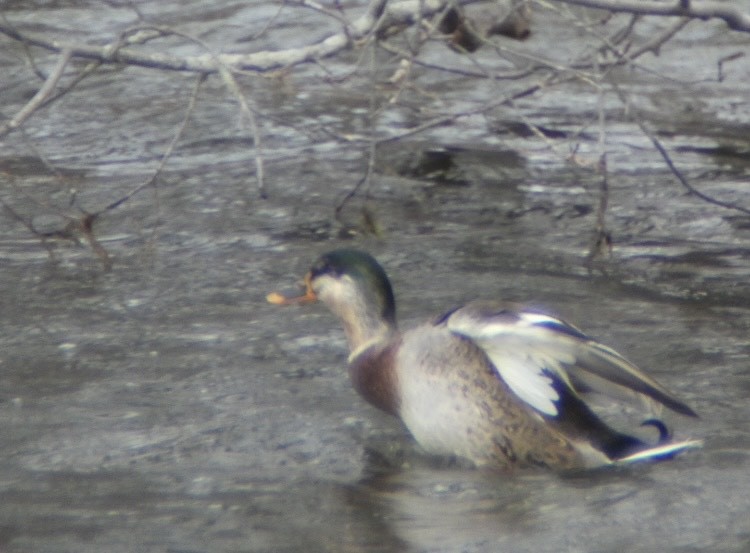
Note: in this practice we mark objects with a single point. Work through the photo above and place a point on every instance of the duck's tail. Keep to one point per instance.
(623, 449)
(665, 448)
(616, 447)
(659, 452)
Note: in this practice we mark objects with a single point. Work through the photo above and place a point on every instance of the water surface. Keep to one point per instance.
(165, 406)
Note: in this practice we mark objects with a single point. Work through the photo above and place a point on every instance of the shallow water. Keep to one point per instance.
(165, 406)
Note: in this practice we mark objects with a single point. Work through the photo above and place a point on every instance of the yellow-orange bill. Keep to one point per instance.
(276, 298)
(280, 299)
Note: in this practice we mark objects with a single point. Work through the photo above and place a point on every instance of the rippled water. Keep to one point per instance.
(164, 406)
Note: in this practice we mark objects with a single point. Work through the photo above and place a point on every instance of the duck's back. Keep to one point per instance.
(453, 403)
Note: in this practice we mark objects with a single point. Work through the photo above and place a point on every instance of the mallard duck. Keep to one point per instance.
(492, 383)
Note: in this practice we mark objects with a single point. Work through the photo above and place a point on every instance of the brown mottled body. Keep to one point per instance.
(495, 384)
(451, 408)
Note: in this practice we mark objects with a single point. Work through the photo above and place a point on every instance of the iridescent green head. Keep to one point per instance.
(351, 279)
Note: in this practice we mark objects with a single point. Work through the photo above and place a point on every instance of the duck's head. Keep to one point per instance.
(353, 286)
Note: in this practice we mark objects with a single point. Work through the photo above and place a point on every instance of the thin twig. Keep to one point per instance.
(372, 142)
(167, 153)
(352, 193)
(602, 238)
(86, 227)
(231, 84)
(249, 115)
(671, 165)
(42, 94)
(658, 41)
(731, 15)
(509, 75)
(315, 6)
(17, 216)
(681, 177)
(624, 57)
(445, 120)
(723, 60)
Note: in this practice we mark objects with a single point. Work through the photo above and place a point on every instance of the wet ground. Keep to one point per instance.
(165, 406)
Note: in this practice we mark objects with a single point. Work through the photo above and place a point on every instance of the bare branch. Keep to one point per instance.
(41, 96)
(601, 242)
(380, 15)
(724, 60)
(476, 74)
(234, 88)
(656, 42)
(732, 16)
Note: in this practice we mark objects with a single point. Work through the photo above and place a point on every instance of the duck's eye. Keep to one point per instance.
(322, 267)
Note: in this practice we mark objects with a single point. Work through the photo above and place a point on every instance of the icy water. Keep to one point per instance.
(163, 405)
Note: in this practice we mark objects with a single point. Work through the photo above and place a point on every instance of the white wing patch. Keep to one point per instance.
(528, 382)
(522, 354)
(540, 357)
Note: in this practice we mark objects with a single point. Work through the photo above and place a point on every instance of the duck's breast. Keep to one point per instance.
(447, 393)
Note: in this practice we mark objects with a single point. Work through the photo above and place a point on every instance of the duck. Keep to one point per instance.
(490, 383)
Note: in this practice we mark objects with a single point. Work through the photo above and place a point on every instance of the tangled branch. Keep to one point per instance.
(732, 16)
(380, 20)
(379, 16)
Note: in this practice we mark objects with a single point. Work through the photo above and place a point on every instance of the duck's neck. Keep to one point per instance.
(362, 331)
(363, 320)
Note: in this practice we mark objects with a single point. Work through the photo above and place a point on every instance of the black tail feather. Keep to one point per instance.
(664, 433)
(580, 420)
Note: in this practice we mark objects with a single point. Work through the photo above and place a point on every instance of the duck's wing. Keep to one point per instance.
(537, 354)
